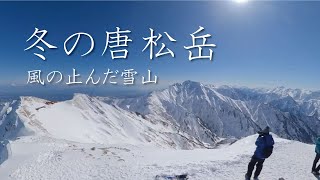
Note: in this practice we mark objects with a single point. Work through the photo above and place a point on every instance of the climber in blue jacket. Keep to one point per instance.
(315, 169)
(264, 149)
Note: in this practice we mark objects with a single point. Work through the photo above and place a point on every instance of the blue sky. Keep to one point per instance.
(258, 43)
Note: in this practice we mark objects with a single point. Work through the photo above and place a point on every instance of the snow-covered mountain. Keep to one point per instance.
(139, 138)
(185, 115)
(88, 120)
(230, 111)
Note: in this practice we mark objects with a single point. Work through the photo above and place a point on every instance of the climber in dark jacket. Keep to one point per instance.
(264, 149)
(315, 169)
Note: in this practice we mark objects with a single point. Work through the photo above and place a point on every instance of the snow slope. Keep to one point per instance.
(86, 119)
(38, 157)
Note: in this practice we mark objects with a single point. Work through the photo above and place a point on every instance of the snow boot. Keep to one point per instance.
(316, 173)
(247, 177)
(255, 178)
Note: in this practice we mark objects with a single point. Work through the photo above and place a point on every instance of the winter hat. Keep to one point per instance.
(265, 130)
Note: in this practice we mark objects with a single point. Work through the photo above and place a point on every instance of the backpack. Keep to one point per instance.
(268, 149)
(318, 145)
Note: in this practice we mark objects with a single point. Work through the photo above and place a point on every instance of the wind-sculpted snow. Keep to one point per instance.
(35, 157)
(232, 112)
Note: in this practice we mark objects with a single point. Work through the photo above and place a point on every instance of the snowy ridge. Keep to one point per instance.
(87, 120)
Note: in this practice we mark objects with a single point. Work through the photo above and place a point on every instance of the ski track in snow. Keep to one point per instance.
(42, 158)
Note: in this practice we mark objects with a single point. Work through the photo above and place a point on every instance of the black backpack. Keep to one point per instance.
(267, 151)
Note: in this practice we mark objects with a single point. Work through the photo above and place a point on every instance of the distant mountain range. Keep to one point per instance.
(225, 111)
